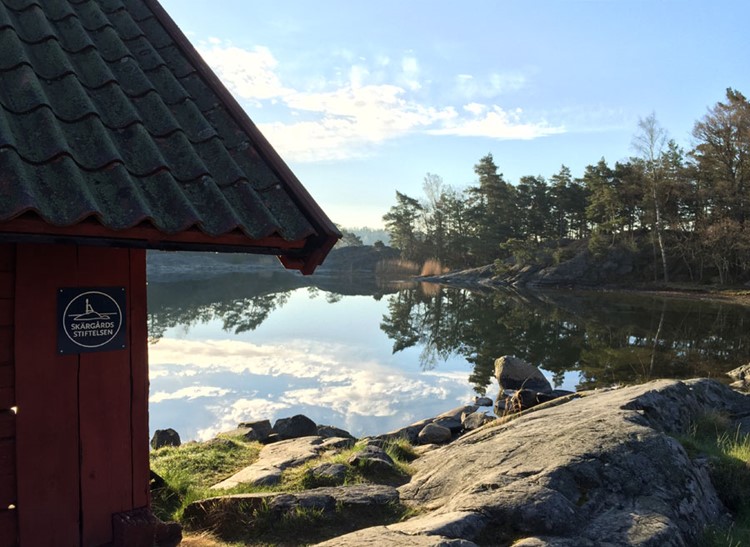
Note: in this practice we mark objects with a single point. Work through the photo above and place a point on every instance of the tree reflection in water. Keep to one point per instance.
(242, 303)
(606, 338)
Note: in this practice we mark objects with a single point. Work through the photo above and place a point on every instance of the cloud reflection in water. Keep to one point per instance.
(202, 387)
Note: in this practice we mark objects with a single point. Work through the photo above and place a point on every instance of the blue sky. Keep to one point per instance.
(364, 98)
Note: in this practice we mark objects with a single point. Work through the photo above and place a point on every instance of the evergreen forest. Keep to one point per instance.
(682, 213)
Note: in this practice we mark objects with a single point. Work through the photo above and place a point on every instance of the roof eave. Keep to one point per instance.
(323, 225)
(310, 261)
(303, 254)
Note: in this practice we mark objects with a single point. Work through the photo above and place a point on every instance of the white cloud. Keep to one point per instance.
(351, 118)
(358, 75)
(475, 108)
(241, 410)
(368, 393)
(189, 393)
(236, 357)
(495, 123)
(366, 104)
(490, 86)
(410, 72)
(379, 111)
(249, 74)
(313, 379)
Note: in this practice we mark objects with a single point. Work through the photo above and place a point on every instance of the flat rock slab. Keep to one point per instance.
(385, 536)
(600, 469)
(276, 457)
(221, 513)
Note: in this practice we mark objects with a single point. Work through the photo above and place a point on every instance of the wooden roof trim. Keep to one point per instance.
(147, 236)
(311, 261)
(320, 221)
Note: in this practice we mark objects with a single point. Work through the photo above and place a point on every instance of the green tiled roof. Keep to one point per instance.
(107, 112)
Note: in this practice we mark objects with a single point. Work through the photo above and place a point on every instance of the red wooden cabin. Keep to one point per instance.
(115, 137)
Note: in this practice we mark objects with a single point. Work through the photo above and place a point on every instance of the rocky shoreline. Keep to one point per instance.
(486, 278)
(577, 469)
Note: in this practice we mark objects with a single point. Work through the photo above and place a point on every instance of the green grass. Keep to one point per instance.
(190, 470)
(205, 463)
(400, 451)
(263, 525)
(728, 454)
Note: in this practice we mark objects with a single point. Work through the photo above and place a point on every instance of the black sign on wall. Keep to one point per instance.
(90, 319)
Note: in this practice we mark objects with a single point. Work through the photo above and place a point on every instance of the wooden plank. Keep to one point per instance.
(7, 473)
(8, 495)
(138, 343)
(7, 397)
(7, 257)
(8, 529)
(7, 425)
(7, 490)
(7, 306)
(7, 386)
(7, 284)
(104, 403)
(6, 375)
(6, 347)
(7, 454)
(47, 400)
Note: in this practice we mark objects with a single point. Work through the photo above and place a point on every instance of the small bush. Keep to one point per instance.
(397, 267)
(401, 450)
(563, 254)
(432, 267)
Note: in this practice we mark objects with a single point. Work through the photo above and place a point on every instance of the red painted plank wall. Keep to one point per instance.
(82, 423)
(8, 514)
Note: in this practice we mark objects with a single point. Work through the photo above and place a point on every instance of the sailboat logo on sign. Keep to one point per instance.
(91, 319)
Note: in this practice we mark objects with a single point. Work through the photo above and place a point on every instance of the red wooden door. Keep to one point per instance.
(8, 513)
(82, 422)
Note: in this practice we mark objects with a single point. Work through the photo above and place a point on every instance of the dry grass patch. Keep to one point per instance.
(205, 540)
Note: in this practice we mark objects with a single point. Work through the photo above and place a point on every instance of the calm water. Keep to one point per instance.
(244, 347)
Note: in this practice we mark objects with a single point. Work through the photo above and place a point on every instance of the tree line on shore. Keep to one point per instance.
(604, 338)
(685, 213)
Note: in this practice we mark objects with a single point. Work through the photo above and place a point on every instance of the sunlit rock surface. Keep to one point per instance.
(601, 469)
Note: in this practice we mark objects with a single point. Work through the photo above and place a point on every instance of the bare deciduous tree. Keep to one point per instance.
(650, 143)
